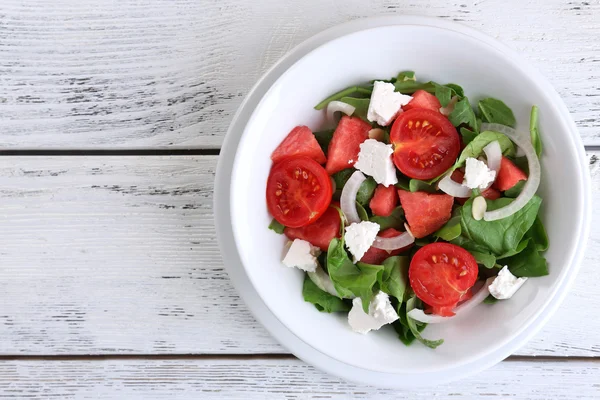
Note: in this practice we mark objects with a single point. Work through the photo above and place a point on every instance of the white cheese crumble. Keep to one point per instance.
(477, 174)
(359, 237)
(303, 255)
(505, 284)
(375, 159)
(385, 103)
(381, 312)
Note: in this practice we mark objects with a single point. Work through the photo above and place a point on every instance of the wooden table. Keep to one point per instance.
(111, 118)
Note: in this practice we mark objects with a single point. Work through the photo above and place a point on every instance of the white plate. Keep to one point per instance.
(353, 53)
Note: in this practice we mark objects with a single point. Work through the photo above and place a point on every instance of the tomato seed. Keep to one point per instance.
(304, 175)
(410, 124)
(278, 193)
(418, 124)
(444, 258)
(434, 259)
(425, 123)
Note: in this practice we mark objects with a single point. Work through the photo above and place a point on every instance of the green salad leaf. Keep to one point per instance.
(443, 94)
(467, 135)
(482, 254)
(354, 91)
(403, 182)
(416, 185)
(394, 220)
(538, 234)
(475, 147)
(322, 300)
(495, 111)
(534, 131)
(394, 279)
(412, 325)
(490, 300)
(366, 190)
(401, 326)
(324, 138)
(404, 76)
(528, 262)
(276, 226)
(515, 191)
(361, 106)
(409, 86)
(340, 178)
(451, 230)
(463, 114)
(362, 213)
(458, 90)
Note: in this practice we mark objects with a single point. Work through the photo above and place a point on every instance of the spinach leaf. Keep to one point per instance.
(467, 135)
(355, 91)
(501, 236)
(482, 254)
(340, 178)
(276, 226)
(366, 190)
(361, 106)
(323, 301)
(443, 94)
(520, 247)
(394, 279)
(515, 191)
(404, 76)
(394, 220)
(529, 262)
(416, 185)
(538, 234)
(323, 138)
(534, 131)
(485, 259)
(463, 114)
(475, 147)
(401, 326)
(490, 300)
(458, 90)
(412, 325)
(450, 231)
(403, 182)
(495, 111)
(362, 213)
(409, 87)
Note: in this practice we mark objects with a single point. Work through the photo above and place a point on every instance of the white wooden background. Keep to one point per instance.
(111, 282)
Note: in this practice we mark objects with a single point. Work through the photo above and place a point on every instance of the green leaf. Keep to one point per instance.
(475, 147)
(490, 300)
(355, 91)
(463, 114)
(409, 87)
(515, 191)
(458, 90)
(538, 235)
(528, 263)
(403, 182)
(394, 220)
(467, 135)
(401, 326)
(412, 325)
(362, 213)
(536, 140)
(482, 255)
(324, 138)
(501, 236)
(451, 230)
(361, 106)
(416, 185)
(394, 279)
(276, 226)
(485, 259)
(322, 300)
(495, 111)
(366, 190)
(520, 247)
(340, 178)
(406, 76)
(443, 94)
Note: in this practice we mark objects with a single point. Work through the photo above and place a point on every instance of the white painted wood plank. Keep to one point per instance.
(276, 379)
(104, 255)
(156, 74)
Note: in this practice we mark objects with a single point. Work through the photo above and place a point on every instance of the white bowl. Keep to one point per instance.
(351, 54)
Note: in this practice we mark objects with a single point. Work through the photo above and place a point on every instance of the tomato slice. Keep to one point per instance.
(298, 191)
(423, 99)
(441, 274)
(425, 143)
(320, 232)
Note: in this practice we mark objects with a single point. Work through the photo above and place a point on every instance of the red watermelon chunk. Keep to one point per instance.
(345, 145)
(320, 232)
(299, 142)
(377, 256)
(509, 175)
(423, 99)
(384, 200)
(489, 193)
(425, 212)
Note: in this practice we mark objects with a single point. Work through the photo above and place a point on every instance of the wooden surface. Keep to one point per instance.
(115, 256)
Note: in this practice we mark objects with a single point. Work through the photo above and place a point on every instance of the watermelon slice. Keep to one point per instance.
(423, 99)
(425, 212)
(345, 145)
(320, 232)
(299, 142)
(384, 200)
(489, 193)
(509, 175)
(377, 256)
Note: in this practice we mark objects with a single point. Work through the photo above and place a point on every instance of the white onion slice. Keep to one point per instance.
(533, 181)
(323, 281)
(454, 189)
(493, 155)
(348, 197)
(335, 106)
(394, 243)
(450, 107)
(462, 309)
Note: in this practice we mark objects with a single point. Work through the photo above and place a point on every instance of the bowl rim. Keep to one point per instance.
(242, 281)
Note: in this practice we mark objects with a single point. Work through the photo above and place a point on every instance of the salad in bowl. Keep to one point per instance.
(413, 208)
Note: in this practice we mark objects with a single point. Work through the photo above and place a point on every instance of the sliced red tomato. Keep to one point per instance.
(441, 274)
(344, 147)
(425, 143)
(489, 193)
(425, 212)
(423, 99)
(298, 191)
(320, 232)
(509, 175)
(299, 142)
(377, 256)
(384, 200)
(448, 311)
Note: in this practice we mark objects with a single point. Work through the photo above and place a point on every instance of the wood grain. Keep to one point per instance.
(117, 255)
(170, 74)
(276, 379)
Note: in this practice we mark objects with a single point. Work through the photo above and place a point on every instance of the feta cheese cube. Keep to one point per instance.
(385, 103)
(505, 284)
(359, 237)
(381, 312)
(375, 159)
(477, 174)
(303, 255)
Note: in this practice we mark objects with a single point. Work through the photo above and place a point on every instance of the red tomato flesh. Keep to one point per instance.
(320, 232)
(423, 99)
(377, 256)
(425, 212)
(384, 200)
(508, 175)
(441, 274)
(344, 147)
(425, 143)
(489, 193)
(299, 142)
(298, 191)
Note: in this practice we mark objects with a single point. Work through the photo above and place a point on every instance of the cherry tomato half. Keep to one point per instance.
(298, 191)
